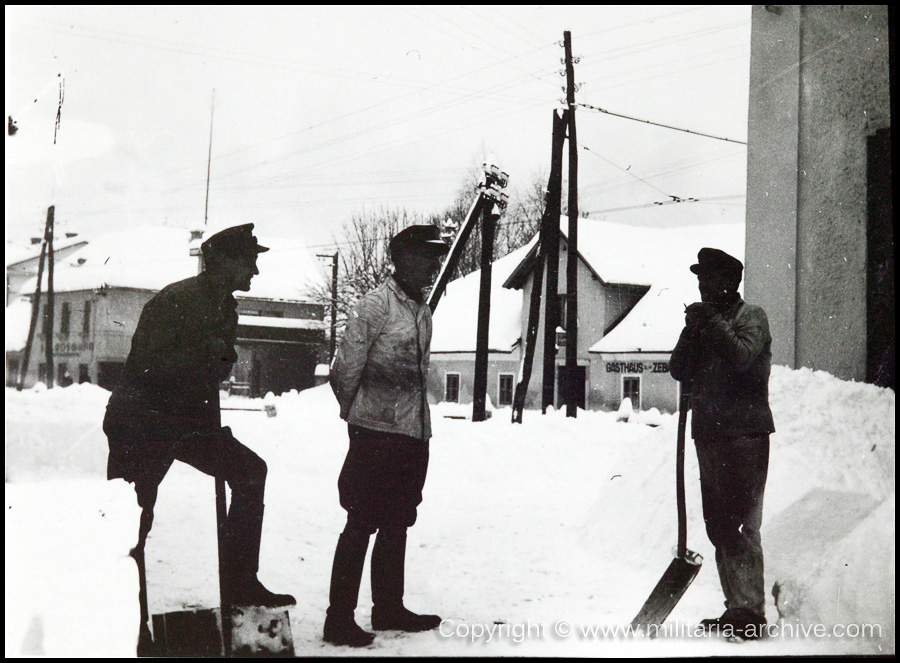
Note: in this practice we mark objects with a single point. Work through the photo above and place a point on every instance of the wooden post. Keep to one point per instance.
(49, 309)
(551, 302)
(534, 309)
(35, 308)
(572, 255)
(452, 258)
(479, 390)
(334, 303)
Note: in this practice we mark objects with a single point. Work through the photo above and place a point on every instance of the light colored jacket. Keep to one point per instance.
(380, 369)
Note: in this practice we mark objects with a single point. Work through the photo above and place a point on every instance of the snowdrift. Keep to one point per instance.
(553, 519)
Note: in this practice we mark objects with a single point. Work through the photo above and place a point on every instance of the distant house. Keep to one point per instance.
(100, 291)
(820, 249)
(633, 285)
(22, 262)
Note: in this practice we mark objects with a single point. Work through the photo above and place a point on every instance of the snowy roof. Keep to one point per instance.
(657, 319)
(622, 248)
(280, 323)
(17, 253)
(456, 317)
(151, 257)
(657, 256)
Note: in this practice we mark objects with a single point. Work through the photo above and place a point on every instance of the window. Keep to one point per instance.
(505, 392)
(83, 373)
(451, 387)
(86, 320)
(63, 377)
(64, 319)
(562, 301)
(631, 388)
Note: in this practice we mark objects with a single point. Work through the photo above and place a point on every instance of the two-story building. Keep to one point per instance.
(101, 289)
(633, 285)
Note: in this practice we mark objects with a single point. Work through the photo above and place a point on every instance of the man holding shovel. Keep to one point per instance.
(724, 356)
(166, 406)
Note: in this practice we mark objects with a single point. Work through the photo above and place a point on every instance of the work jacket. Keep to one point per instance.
(380, 369)
(182, 348)
(725, 361)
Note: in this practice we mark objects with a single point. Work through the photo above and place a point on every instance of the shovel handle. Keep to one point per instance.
(684, 405)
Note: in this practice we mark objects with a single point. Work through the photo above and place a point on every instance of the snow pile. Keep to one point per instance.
(554, 519)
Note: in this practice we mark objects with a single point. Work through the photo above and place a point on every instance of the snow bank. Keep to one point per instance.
(556, 518)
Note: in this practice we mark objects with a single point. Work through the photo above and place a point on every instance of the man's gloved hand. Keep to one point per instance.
(699, 312)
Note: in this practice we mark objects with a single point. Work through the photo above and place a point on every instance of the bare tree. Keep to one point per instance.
(363, 261)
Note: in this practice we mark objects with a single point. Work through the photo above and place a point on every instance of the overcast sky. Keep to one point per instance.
(320, 111)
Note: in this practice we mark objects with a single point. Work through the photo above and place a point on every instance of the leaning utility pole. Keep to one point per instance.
(572, 255)
(48, 310)
(35, 305)
(212, 113)
(549, 235)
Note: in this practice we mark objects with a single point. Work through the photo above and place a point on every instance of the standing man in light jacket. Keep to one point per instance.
(379, 377)
(724, 358)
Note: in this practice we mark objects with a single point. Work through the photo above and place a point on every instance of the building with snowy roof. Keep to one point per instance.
(633, 285)
(100, 290)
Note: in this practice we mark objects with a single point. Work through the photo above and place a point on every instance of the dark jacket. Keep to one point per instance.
(182, 348)
(380, 369)
(726, 359)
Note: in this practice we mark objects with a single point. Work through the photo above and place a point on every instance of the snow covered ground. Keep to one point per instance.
(525, 531)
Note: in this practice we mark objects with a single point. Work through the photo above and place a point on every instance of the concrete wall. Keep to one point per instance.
(819, 85)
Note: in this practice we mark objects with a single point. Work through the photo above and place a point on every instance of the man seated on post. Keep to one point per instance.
(166, 406)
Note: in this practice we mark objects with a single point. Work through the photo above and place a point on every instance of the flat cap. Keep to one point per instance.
(711, 261)
(233, 242)
(422, 239)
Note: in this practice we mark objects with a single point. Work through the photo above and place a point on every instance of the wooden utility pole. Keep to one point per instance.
(35, 306)
(549, 234)
(572, 255)
(334, 301)
(49, 309)
(479, 389)
(551, 303)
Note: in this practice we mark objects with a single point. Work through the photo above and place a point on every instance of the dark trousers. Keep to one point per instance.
(218, 454)
(381, 481)
(380, 487)
(733, 474)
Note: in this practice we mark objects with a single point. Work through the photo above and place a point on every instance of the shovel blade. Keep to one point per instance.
(668, 591)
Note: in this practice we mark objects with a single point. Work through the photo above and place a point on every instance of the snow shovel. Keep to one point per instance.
(686, 565)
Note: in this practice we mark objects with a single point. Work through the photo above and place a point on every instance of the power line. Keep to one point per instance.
(657, 124)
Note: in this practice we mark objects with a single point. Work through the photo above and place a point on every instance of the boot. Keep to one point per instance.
(388, 571)
(346, 574)
(243, 536)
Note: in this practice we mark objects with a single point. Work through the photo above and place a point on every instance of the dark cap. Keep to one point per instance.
(233, 242)
(423, 240)
(711, 261)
